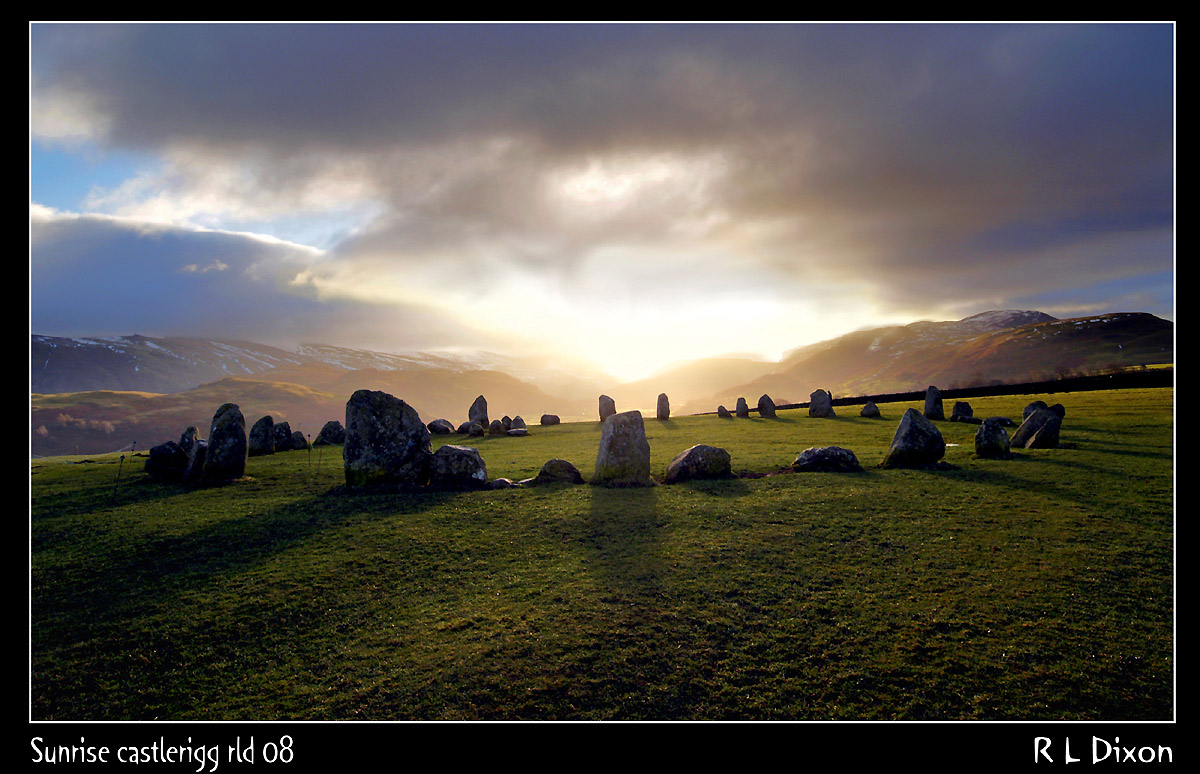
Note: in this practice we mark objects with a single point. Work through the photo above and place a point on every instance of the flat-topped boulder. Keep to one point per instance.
(228, 446)
(869, 409)
(916, 444)
(441, 427)
(624, 455)
(742, 409)
(262, 437)
(664, 406)
(457, 468)
(699, 462)
(826, 459)
(933, 403)
(991, 440)
(518, 432)
(550, 419)
(332, 434)
(386, 442)
(820, 404)
(766, 407)
(608, 407)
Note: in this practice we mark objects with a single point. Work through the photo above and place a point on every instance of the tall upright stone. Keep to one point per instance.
(283, 436)
(820, 404)
(228, 446)
(262, 437)
(608, 407)
(766, 407)
(664, 406)
(742, 409)
(933, 403)
(386, 442)
(478, 412)
(917, 443)
(624, 455)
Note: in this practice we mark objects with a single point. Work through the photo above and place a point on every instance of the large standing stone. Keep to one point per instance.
(624, 455)
(933, 403)
(827, 459)
(262, 437)
(228, 446)
(869, 410)
(556, 472)
(700, 461)
(167, 462)
(723, 413)
(478, 412)
(283, 436)
(457, 468)
(332, 433)
(917, 443)
(664, 406)
(962, 412)
(766, 407)
(991, 440)
(608, 407)
(742, 409)
(820, 404)
(386, 442)
(441, 427)
(1040, 430)
(550, 419)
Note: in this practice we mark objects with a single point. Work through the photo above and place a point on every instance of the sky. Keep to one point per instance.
(627, 195)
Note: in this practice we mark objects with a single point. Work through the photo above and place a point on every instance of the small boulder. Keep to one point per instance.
(699, 462)
(496, 428)
(624, 455)
(933, 404)
(916, 444)
(962, 411)
(332, 434)
(506, 420)
(664, 406)
(475, 430)
(550, 419)
(262, 437)
(518, 432)
(608, 407)
(517, 423)
(557, 472)
(820, 404)
(457, 468)
(723, 413)
(869, 410)
(991, 440)
(167, 462)
(299, 442)
(742, 409)
(766, 407)
(441, 427)
(827, 459)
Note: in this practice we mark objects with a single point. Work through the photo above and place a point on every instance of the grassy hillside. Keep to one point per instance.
(1032, 588)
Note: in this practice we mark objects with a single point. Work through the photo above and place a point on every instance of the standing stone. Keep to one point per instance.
(820, 404)
(478, 412)
(624, 455)
(457, 468)
(283, 436)
(1039, 431)
(608, 407)
(766, 407)
(723, 413)
(991, 440)
(700, 461)
(550, 419)
(441, 427)
(917, 443)
(167, 462)
(869, 410)
(933, 403)
(518, 423)
(664, 406)
(194, 472)
(189, 439)
(827, 459)
(332, 433)
(742, 410)
(386, 442)
(496, 428)
(299, 442)
(506, 420)
(262, 437)
(228, 446)
(962, 411)
(1032, 407)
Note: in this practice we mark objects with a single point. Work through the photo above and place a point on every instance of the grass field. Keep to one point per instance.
(1034, 588)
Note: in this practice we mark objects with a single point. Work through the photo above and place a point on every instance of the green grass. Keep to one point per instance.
(1034, 588)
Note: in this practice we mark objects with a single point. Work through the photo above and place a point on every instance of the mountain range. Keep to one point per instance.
(96, 394)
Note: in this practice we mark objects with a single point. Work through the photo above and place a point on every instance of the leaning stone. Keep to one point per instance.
(299, 442)
(478, 412)
(332, 433)
(917, 443)
(228, 446)
(608, 407)
(454, 468)
(961, 412)
(827, 459)
(441, 427)
(624, 455)
(518, 432)
(194, 473)
(262, 437)
(664, 406)
(517, 423)
(991, 440)
(557, 472)
(167, 462)
(766, 407)
(550, 419)
(699, 462)
(1045, 436)
(820, 404)
(386, 442)
(723, 413)
(933, 403)
(869, 410)
(283, 436)
(742, 410)
(1032, 424)
(1032, 407)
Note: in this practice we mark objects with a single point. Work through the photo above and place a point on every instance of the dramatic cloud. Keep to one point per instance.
(582, 184)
